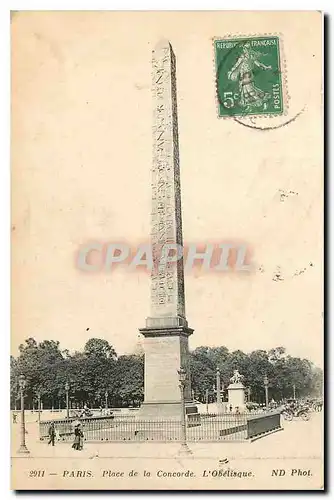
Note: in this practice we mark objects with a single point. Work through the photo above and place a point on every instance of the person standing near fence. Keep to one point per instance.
(81, 441)
(78, 438)
(52, 434)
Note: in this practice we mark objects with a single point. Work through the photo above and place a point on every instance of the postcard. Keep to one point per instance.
(167, 250)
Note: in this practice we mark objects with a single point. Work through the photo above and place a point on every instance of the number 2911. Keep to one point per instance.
(37, 473)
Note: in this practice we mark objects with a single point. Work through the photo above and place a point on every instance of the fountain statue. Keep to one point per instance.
(236, 392)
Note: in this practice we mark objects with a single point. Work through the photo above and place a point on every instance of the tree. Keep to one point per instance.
(39, 363)
(316, 385)
(202, 372)
(99, 348)
(130, 380)
(276, 354)
(14, 389)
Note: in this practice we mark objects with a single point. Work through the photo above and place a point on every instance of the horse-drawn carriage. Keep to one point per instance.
(297, 409)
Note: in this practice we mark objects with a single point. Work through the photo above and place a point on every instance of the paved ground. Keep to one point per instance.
(298, 439)
(288, 459)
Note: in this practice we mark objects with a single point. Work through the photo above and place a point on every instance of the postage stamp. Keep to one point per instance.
(248, 76)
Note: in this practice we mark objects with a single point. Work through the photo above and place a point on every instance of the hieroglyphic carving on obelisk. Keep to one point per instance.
(167, 280)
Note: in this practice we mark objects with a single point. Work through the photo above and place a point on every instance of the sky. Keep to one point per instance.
(81, 159)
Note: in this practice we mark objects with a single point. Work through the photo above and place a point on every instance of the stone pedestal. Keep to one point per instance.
(166, 351)
(236, 396)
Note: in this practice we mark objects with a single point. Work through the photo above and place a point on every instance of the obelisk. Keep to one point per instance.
(166, 332)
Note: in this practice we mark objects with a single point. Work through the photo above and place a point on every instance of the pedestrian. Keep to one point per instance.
(52, 434)
(78, 438)
(57, 433)
(231, 407)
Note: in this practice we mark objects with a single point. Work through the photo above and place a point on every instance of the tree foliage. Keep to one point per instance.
(97, 369)
(283, 372)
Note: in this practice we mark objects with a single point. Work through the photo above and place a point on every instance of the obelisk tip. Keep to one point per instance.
(163, 43)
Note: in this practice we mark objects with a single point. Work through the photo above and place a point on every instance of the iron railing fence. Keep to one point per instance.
(202, 427)
(65, 426)
(262, 411)
(258, 425)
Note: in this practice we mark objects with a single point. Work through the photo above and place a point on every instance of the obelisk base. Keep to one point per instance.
(169, 410)
(166, 351)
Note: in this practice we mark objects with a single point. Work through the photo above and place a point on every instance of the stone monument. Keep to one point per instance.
(236, 391)
(166, 332)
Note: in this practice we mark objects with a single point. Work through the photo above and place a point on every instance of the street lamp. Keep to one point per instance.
(266, 383)
(67, 388)
(106, 399)
(294, 391)
(183, 380)
(219, 401)
(39, 407)
(22, 385)
(98, 398)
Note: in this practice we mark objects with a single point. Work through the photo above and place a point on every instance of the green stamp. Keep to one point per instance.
(248, 76)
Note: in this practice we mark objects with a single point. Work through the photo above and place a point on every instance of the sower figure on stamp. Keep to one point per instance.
(52, 434)
(250, 95)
